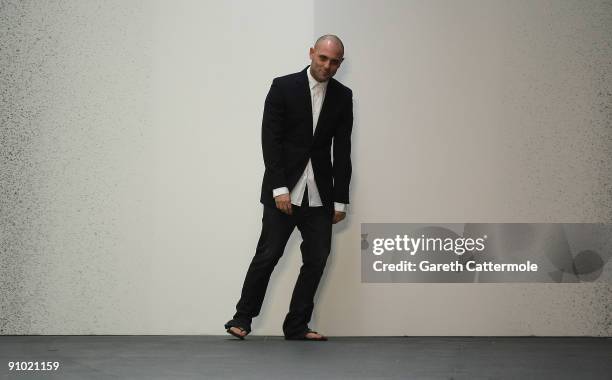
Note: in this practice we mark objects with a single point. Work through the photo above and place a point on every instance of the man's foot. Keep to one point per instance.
(313, 335)
(309, 335)
(238, 332)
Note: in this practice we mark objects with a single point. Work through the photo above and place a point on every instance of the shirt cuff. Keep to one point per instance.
(280, 191)
(341, 207)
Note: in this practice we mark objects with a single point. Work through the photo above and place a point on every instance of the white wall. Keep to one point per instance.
(473, 111)
(132, 162)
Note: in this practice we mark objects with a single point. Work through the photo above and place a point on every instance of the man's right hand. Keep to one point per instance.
(283, 203)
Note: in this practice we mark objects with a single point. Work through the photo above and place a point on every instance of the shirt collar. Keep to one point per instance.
(313, 82)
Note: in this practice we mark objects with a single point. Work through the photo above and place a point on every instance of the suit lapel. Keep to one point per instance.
(305, 91)
(328, 101)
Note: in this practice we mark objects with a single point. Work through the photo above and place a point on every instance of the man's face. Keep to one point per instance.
(325, 59)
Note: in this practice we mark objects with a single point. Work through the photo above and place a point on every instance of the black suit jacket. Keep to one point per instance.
(288, 142)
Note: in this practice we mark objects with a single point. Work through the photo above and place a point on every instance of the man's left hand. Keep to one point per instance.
(338, 216)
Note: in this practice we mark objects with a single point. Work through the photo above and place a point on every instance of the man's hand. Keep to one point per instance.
(338, 216)
(283, 203)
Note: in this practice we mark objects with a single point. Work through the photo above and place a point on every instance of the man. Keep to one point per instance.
(303, 114)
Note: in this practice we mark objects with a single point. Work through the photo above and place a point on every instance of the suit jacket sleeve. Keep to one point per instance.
(272, 135)
(342, 153)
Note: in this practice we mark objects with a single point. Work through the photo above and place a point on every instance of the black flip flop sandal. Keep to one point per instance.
(303, 337)
(229, 330)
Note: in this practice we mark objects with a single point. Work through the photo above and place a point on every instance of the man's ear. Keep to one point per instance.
(311, 53)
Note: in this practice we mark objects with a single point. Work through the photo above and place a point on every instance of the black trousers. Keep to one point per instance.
(315, 225)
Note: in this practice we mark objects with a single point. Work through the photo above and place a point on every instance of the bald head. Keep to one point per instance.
(326, 57)
(330, 39)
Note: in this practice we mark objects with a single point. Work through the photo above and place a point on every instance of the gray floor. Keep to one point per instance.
(260, 357)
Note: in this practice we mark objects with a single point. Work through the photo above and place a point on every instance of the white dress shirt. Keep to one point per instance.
(317, 95)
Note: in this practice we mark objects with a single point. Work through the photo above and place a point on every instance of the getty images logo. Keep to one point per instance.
(413, 245)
